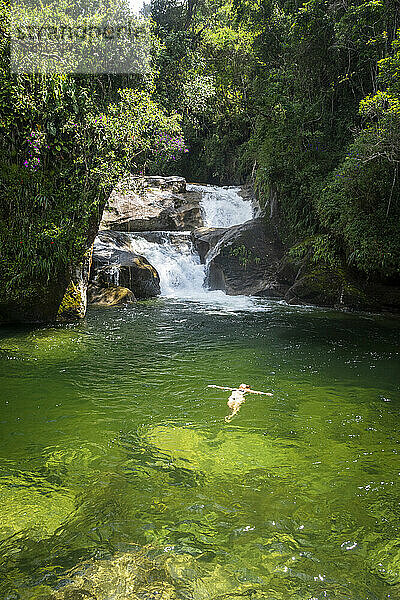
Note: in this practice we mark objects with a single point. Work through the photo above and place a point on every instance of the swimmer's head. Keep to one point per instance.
(244, 386)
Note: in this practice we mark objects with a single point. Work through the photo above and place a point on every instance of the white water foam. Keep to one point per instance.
(222, 206)
(181, 273)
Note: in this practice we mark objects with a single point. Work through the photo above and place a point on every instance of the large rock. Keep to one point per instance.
(340, 288)
(109, 295)
(114, 263)
(128, 576)
(152, 204)
(246, 260)
(61, 299)
(325, 286)
(205, 239)
(250, 259)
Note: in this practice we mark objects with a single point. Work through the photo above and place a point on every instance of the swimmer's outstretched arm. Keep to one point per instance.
(220, 387)
(255, 392)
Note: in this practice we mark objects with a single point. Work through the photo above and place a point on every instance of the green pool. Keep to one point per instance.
(111, 442)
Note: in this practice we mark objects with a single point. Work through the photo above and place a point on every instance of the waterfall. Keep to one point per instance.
(222, 206)
(172, 254)
(182, 276)
(177, 263)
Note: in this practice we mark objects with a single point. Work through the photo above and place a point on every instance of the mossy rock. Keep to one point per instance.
(247, 261)
(112, 295)
(49, 345)
(327, 286)
(37, 303)
(336, 286)
(228, 453)
(73, 304)
(114, 263)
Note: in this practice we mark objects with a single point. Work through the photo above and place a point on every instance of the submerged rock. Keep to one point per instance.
(111, 295)
(115, 264)
(152, 203)
(24, 508)
(385, 562)
(128, 576)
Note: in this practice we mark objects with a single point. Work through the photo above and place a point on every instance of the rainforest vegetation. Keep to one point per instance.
(300, 99)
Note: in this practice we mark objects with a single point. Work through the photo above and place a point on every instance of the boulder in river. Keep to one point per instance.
(338, 287)
(110, 295)
(114, 263)
(246, 260)
(62, 299)
(205, 239)
(250, 259)
(152, 204)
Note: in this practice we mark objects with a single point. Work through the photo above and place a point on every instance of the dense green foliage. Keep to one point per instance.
(304, 97)
(65, 140)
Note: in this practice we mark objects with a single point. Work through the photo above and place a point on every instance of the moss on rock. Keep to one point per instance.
(72, 305)
(328, 286)
(74, 302)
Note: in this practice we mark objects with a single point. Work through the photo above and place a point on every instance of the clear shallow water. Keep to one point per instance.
(110, 438)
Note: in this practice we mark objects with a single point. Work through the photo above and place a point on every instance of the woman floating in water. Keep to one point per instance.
(237, 398)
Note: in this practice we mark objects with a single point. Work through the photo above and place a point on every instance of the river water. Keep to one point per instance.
(111, 439)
